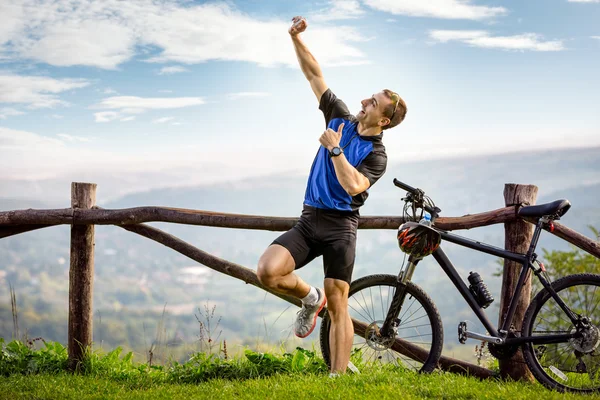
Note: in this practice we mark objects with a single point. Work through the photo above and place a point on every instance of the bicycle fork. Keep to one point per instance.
(389, 327)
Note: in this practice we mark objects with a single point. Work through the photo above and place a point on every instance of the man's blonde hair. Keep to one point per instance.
(396, 111)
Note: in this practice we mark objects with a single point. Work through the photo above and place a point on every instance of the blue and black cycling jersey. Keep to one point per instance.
(365, 153)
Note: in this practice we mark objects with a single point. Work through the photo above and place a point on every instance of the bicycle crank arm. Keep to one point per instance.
(464, 334)
(485, 338)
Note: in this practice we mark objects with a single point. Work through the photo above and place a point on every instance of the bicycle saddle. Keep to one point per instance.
(557, 209)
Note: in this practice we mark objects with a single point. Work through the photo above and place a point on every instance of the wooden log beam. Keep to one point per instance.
(419, 354)
(19, 221)
(137, 215)
(249, 276)
(10, 230)
(577, 239)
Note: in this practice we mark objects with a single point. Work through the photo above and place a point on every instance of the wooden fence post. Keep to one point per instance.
(518, 235)
(81, 276)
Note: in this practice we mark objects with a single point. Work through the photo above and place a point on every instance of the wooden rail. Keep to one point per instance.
(20, 221)
(132, 219)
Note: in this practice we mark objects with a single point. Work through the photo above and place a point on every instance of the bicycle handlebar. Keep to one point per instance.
(404, 186)
(434, 212)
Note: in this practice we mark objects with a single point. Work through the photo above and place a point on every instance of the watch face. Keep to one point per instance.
(336, 151)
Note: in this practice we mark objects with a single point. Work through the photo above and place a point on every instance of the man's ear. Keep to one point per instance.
(384, 121)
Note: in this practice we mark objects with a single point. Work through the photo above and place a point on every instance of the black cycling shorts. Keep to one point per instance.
(329, 233)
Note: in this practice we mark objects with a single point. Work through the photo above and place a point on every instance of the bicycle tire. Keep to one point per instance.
(575, 374)
(380, 353)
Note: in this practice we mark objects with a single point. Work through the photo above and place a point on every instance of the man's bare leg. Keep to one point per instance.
(276, 271)
(342, 331)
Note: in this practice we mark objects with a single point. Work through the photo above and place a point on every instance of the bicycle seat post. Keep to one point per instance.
(536, 236)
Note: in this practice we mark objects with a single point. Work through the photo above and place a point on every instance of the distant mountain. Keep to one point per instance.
(136, 276)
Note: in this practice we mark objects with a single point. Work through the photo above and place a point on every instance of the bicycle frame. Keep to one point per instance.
(526, 260)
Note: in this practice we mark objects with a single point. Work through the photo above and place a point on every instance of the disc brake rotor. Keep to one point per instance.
(375, 340)
(589, 340)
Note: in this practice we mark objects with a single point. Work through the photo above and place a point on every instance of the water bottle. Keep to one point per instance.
(426, 220)
(480, 291)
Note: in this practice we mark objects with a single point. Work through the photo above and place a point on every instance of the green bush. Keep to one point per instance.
(19, 358)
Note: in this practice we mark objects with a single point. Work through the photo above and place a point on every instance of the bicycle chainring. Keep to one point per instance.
(503, 351)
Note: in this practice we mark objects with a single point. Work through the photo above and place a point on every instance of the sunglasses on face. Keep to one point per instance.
(395, 100)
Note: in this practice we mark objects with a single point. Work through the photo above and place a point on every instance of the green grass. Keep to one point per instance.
(26, 373)
(369, 384)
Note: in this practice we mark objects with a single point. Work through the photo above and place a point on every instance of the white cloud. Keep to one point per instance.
(584, 1)
(106, 116)
(595, 37)
(29, 155)
(139, 105)
(445, 36)
(162, 120)
(11, 139)
(240, 95)
(109, 91)
(9, 112)
(70, 138)
(446, 9)
(130, 118)
(339, 9)
(172, 70)
(134, 104)
(36, 91)
(526, 41)
(108, 33)
(56, 116)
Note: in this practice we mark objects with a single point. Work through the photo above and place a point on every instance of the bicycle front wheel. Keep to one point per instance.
(419, 335)
(573, 365)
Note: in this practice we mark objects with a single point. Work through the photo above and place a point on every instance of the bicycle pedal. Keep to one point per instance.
(462, 332)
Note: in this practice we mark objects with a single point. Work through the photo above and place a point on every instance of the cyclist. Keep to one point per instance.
(351, 159)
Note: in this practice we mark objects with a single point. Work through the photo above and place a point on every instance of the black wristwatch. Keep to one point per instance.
(336, 151)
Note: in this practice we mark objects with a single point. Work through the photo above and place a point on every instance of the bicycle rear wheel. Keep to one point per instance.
(573, 365)
(420, 328)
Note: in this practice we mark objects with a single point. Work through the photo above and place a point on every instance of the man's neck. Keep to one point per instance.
(372, 131)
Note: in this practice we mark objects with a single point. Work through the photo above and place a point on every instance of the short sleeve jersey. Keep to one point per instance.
(366, 154)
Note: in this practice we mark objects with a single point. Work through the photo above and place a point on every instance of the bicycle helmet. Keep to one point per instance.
(418, 240)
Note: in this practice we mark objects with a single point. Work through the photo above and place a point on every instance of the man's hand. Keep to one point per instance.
(299, 25)
(330, 138)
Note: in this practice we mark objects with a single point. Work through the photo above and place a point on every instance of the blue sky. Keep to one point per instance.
(213, 88)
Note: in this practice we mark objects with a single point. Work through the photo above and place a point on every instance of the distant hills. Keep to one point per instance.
(134, 278)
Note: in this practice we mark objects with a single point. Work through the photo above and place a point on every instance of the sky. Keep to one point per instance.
(208, 91)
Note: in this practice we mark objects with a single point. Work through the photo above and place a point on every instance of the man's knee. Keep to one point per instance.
(265, 271)
(273, 265)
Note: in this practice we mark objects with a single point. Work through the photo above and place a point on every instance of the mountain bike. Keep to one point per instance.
(397, 322)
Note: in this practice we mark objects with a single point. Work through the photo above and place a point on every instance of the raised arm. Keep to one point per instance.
(310, 67)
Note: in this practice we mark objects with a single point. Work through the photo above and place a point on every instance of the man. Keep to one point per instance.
(351, 159)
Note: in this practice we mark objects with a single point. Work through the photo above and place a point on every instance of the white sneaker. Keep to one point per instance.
(307, 316)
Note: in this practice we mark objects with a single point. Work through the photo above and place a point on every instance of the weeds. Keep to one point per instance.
(15, 316)
(208, 328)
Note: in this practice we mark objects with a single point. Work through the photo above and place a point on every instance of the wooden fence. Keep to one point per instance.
(84, 214)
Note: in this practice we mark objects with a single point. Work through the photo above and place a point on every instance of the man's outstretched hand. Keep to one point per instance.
(330, 138)
(299, 25)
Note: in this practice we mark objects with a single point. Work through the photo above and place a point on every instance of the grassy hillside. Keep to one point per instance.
(302, 374)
